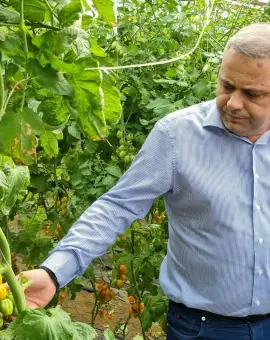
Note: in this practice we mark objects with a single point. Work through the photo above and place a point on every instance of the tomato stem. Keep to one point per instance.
(4, 247)
(6, 270)
(2, 94)
(23, 29)
(15, 288)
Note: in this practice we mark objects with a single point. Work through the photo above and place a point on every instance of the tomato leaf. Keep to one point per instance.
(87, 104)
(48, 78)
(34, 10)
(18, 135)
(49, 142)
(17, 179)
(97, 50)
(112, 103)
(105, 9)
(9, 16)
(70, 13)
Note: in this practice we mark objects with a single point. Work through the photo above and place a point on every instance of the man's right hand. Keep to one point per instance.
(41, 292)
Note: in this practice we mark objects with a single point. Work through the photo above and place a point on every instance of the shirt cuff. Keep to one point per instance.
(64, 265)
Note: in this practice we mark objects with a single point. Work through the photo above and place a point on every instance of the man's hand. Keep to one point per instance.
(41, 292)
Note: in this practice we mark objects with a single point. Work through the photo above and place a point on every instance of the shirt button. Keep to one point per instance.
(256, 176)
(258, 207)
(258, 302)
(260, 271)
(203, 318)
(260, 240)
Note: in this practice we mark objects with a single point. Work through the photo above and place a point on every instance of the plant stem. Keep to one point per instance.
(2, 94)
(132, 261)
(124, 329)
(23, 29)
(15, 288)
(9, 276)
(4, 247)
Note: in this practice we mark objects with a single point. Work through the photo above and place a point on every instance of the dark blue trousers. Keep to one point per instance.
(185, 323)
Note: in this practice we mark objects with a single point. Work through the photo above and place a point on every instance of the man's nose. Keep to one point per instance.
(236, 101)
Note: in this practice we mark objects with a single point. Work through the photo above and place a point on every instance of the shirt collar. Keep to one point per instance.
(213, 118)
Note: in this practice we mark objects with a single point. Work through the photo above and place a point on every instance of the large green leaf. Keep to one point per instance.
(87, 103)
(18, 132)
(105, 9)
(54, 111)
(9, 16)
(70, 13)
(50, 79)
(34, 10)
(18, 178)
(112, 103)
(54, 324)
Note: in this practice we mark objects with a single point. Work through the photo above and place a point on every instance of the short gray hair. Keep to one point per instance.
(253, 41)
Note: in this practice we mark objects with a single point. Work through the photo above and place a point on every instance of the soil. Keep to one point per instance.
(81, 308)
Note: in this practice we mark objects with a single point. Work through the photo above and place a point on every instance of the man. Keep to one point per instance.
(211, 162)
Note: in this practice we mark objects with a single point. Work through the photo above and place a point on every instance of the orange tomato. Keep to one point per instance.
(123, 269)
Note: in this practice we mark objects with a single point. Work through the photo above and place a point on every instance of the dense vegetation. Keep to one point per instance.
(72, 120)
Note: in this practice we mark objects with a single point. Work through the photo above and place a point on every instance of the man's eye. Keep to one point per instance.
(228, 87)
(252, 95)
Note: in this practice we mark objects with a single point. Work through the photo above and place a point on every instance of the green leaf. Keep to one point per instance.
(105, 9)
(18, 135)
(50, 79)
(83, 331)
(34, 10)
(8, 16)
(70, 13)
(87, 104)
(39, 324)
(146, 319)
(87, 20)
(13, 46)
(18, 178)
(73, 131)
(54, 111)
(112, 103)
(114, 170)
(97, 50)
(108, 334)
(49, 142)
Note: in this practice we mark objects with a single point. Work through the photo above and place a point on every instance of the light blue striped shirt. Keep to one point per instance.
(216, 187)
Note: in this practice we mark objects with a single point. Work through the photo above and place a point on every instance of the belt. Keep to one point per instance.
(210, 315)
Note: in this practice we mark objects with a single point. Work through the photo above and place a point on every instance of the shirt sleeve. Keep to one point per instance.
(149, 176)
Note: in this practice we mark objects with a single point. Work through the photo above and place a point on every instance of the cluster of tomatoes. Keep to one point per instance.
(104, 290)
(119, 283)
(125, 150)
(62, 206)
(136, 307)
(158, 218)
(57, 231)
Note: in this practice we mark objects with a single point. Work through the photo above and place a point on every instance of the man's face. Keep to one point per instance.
(243, 95)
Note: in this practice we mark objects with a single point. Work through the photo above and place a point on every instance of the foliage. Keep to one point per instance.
(68, 131)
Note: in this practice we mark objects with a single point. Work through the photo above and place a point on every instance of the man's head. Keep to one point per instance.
(243, 94)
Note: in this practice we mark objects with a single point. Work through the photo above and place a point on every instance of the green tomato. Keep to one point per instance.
(126, 159)
(11, 298)
(122, 141)
(1, 322)
(122, 154)
(131, 157)
(120, 134)
(121, 147)
(130, 137)
(6, 307)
